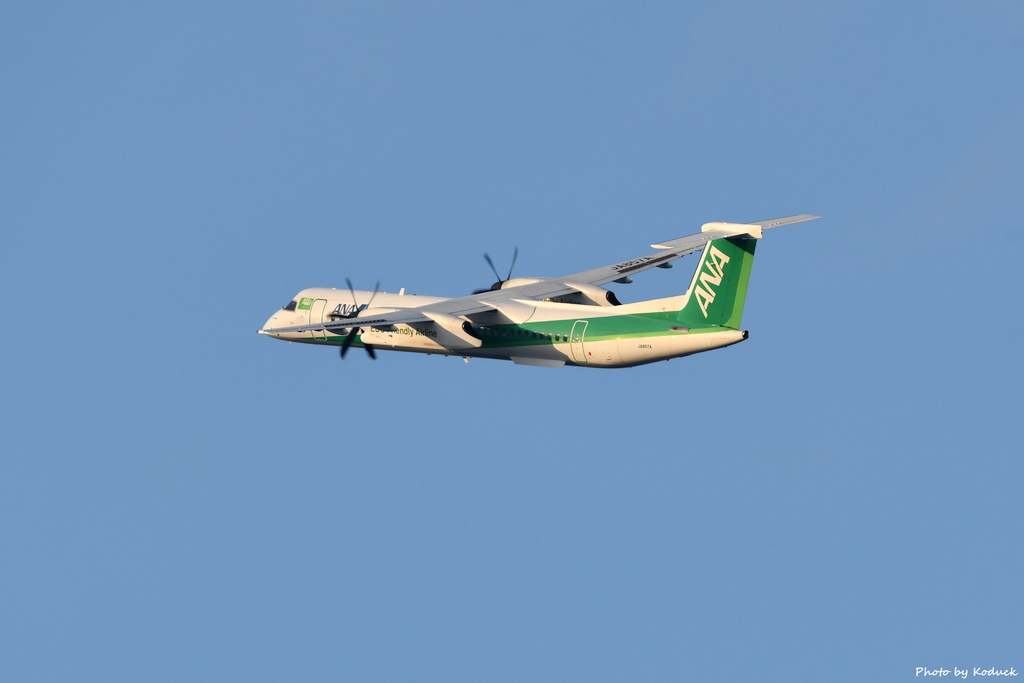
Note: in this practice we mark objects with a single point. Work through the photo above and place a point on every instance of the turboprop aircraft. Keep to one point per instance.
(549, 322)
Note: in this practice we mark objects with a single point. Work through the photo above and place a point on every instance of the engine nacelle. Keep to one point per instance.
(590, 295)
(517, 281)
(454, 333)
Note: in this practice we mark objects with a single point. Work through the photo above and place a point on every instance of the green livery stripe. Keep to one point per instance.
(558, 331)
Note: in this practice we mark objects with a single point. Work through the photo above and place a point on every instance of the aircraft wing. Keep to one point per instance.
(399, 316)
(547, 288)
(669, 251)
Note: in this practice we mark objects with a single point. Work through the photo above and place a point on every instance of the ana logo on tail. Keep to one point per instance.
(703, 289)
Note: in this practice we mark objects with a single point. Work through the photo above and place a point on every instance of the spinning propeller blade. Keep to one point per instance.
(351, 337)
(497, 285)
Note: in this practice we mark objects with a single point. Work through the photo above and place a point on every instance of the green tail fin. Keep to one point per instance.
(719, 286)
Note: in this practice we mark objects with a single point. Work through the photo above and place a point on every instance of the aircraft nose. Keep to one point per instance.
(272, 322)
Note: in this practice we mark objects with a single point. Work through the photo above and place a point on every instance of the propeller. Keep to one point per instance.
(354, 313)
(497, 285)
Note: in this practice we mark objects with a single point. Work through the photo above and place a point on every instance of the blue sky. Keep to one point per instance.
(838, 498)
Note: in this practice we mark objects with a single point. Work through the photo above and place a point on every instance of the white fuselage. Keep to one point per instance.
(525, 331)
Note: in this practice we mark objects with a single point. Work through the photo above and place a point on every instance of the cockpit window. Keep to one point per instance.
(291, 305)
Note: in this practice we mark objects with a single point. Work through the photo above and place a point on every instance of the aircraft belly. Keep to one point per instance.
(640, 350)
(616, 352)
(597, 353)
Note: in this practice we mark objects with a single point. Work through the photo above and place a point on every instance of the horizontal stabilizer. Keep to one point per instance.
(788, 220)
(733, 229)
(716, 230)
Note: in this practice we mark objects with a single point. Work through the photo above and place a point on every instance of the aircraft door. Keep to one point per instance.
(579, 329)
(316, 315)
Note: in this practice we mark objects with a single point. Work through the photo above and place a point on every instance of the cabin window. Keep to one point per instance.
(291, 306)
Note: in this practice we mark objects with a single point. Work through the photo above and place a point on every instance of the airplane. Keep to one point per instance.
(548, 322)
